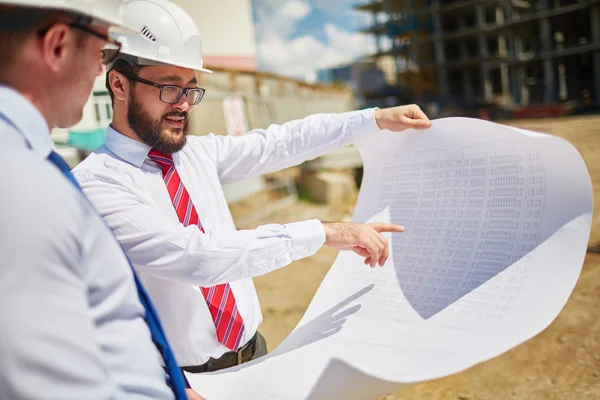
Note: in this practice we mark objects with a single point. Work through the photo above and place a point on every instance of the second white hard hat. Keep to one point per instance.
(109, 12)
(165, 35)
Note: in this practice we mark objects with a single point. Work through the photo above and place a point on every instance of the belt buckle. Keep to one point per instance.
(245, 347)
(240, 352)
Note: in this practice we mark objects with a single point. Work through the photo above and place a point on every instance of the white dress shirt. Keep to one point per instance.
(172, 260)
(71, 323)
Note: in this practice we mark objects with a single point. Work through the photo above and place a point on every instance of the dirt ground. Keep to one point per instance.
(563, 362)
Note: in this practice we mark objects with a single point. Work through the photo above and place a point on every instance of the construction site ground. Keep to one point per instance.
(563, 362)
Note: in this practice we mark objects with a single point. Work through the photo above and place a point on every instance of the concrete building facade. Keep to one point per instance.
(512, 52)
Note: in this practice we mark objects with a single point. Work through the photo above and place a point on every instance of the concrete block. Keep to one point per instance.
(331, 187)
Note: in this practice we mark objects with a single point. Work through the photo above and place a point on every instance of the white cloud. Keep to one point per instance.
(279, 17)
(301, 56)
(294, 10)
(352, 43)
(296, 57)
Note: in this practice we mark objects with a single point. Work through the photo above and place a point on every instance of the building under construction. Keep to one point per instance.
(470, 52)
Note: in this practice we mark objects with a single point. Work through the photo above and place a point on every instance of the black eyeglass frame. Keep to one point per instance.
(200, 90)
(114, 51)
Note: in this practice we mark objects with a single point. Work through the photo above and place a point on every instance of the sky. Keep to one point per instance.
(297, 37)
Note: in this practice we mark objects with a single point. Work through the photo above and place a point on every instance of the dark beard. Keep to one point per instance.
(150, 132)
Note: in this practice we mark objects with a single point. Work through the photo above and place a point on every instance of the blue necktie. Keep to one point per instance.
(176, 381)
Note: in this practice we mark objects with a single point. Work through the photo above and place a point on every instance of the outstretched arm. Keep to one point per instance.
(263, 151)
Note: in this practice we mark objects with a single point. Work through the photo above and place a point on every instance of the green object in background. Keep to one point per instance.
(87, 140)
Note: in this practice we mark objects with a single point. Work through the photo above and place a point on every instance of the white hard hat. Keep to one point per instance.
(165, 35)
(109, 12)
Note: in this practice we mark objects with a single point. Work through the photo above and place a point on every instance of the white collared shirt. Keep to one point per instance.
(71, 323)
(172, 260)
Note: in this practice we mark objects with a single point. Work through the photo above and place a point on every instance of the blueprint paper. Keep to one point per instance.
(497, 224)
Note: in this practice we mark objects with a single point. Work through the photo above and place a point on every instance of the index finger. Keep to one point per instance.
(385, 227)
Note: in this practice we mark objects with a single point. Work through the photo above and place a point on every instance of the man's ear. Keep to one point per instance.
(58, 44)
(119, 84)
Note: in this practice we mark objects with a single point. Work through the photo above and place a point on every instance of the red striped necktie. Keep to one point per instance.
(220, 300)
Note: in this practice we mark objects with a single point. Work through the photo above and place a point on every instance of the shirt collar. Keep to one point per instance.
(27, 119)
(126, 148)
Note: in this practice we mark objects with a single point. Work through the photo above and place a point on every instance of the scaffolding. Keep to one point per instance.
(512, 52)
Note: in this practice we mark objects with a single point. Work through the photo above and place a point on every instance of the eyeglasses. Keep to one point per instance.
(171, 94)
(109, 54)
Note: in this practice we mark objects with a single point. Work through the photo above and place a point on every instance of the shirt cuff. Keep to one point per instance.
(307, 237)
(363, 123)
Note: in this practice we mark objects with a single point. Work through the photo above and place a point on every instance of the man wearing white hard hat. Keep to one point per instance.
(160, 191)
(74, 322)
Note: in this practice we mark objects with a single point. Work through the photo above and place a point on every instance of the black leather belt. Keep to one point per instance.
(229, 359)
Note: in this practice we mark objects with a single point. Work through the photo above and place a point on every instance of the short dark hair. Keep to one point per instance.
(123, 67)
